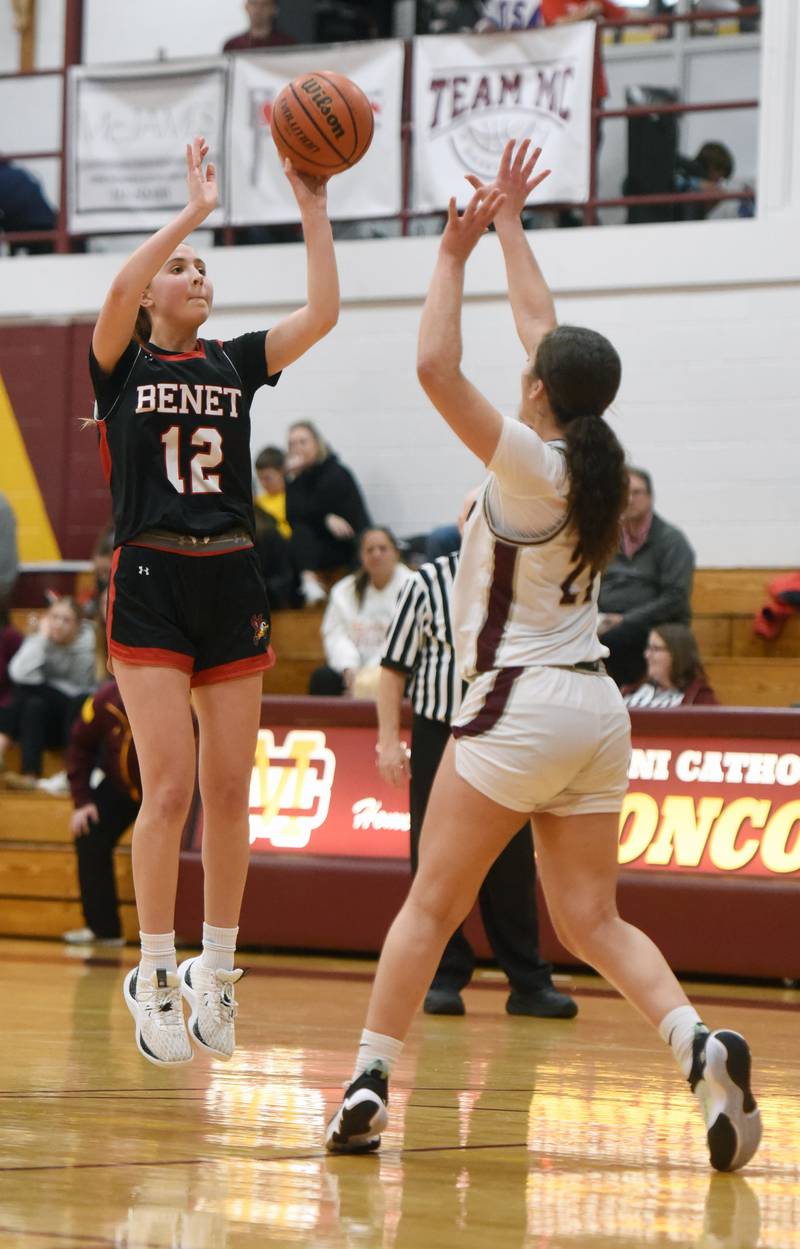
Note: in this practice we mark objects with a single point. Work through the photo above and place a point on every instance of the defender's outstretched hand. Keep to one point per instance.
(463, 231)
(310, 192)
(516, 177)
(202, 183)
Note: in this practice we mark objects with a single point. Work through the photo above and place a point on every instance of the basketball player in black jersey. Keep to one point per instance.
(187, 607)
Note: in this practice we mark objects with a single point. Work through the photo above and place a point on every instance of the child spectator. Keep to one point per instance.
(272, 498)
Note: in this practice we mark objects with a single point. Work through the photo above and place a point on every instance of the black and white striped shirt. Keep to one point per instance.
(420, 640)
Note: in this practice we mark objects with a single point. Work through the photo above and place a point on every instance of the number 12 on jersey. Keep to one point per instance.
(202, 480)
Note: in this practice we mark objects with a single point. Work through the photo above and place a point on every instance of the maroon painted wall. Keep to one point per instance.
(46, 374)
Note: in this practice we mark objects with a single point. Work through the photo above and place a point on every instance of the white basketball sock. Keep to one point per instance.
(374, 1045)
(219, 947)
(158, 950)
(677, 1030)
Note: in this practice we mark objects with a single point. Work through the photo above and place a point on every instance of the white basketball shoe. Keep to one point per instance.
(155, 1003)
(720, 1080)
(209, 992)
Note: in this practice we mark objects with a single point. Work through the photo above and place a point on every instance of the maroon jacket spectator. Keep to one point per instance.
(263, 32)
(101, 738)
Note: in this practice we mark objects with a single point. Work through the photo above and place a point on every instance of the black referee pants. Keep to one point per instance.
(507, 897)
(95, 851)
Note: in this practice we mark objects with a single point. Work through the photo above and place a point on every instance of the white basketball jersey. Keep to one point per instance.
(523, 595)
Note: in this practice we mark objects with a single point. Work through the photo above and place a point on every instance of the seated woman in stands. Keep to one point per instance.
(675, 674)
(324, 507)
(52, 672)
(359, 612)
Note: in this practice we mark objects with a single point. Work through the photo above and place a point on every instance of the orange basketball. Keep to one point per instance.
(323, 122)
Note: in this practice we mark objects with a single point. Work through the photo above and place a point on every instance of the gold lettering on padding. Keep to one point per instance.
(637, 823)
(723, 850)
(684, 830)
(776, 852)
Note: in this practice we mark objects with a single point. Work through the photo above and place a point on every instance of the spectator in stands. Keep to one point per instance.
(263, 32)
(272, 497)
(101, 739)
(9, 560)
(500, 15)
(23, 206)
(273, 531)
(324, 507)
(648, 582)
(709, 170)
(10, 642)
(448, 17)
(53, 671)
(675, 673)
(338, 21)
(359, 612)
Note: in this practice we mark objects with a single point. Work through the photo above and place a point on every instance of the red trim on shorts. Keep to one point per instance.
(105, 451)
(112, 594)
(493, 707)
(169, 550)
(151, 657)
(498, 608)
(238, 668)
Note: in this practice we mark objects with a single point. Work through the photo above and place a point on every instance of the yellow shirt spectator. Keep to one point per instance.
(275, 505)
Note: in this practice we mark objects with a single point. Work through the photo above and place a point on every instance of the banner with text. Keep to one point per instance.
(473, 93)
(725, 807)
(129, 128)
(260, 192)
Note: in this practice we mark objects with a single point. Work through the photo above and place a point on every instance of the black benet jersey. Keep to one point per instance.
(175, 435)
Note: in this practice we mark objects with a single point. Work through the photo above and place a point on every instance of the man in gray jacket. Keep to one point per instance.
(648, 583)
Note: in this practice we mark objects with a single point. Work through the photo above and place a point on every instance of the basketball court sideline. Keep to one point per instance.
(506, 1132)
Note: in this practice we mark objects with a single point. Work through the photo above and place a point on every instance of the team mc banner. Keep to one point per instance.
(472, 93)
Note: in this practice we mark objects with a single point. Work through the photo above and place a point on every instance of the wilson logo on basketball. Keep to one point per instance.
(290, 787)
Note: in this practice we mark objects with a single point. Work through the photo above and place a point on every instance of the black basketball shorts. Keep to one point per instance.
(206, 615)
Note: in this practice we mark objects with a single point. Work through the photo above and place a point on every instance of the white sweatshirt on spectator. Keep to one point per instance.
(69, 669)
(354, 635)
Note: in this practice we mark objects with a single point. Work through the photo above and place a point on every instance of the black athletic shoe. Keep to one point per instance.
(443, 1002)
(357, 1125)
(720, 1079)
(544, 1003)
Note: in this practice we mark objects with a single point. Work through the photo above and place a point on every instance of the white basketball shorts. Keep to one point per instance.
(545, 739)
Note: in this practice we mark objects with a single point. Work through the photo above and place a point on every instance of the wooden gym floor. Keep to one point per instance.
(506, 1133)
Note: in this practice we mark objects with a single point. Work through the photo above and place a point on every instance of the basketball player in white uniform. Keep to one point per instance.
(542, 730)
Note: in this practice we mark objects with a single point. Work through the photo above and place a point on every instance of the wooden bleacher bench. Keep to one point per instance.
(39, 895)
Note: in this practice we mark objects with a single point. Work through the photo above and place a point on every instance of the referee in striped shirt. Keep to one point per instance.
(419, 648)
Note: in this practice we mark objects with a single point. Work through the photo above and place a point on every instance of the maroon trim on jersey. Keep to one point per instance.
(238, 668)
(493, 707)
(498, 607)
(199, 353)
(151, 657)
(105, 451)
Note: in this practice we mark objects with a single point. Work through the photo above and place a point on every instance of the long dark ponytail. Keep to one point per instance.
(581, 372)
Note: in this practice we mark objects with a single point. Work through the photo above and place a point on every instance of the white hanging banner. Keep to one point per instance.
(472, 93)
(129, 127)
(259, 190)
